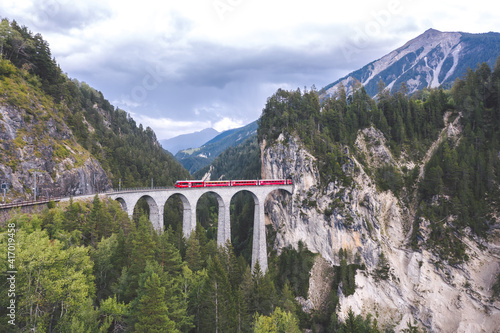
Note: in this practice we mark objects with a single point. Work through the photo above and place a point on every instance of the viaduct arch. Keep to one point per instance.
(156, 200)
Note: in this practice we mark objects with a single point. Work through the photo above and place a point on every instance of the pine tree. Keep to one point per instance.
(95, 220)
(287, 300)
(279, 321)
(104, 271)
(263, 292)
(194, 258)
(220, 312)
(151, 312)
(382, 271)
(142, 252)
(168, 255)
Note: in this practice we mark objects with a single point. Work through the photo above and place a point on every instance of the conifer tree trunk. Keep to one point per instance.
(216, 310)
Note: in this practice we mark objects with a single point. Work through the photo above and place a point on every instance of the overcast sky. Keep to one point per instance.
(182, 66)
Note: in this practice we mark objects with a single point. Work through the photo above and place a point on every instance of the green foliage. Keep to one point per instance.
(496, 287)
(207, 214)
(410, 328)
(382, 271)
(356, 324)
(345, 273)
(219, 302)
(278, 322)
(151, 310)
(104, 258)
(74, 281)
(172, 213)
(242, 221)
(51, 278)
(113, 314)
(7, 68)
(293, 267)
(263, 292)
(388, 177)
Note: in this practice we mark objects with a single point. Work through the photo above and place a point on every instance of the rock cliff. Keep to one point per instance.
(364, 220)
(37, 143)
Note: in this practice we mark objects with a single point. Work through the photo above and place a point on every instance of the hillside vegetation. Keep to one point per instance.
(125, 150)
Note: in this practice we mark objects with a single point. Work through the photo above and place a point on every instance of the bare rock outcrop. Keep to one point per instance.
(39, 144)
(327, 217)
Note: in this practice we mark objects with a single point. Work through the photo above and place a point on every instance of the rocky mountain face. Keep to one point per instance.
(419, 288)
(430, 60)
(39, 144)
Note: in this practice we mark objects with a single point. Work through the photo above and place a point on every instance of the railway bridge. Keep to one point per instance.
(156, 199)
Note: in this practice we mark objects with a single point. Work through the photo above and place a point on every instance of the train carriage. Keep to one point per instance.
(245, 182)
(223, 183)
(218, 183)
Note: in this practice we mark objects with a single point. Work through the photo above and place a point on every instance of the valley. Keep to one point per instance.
(389, 221)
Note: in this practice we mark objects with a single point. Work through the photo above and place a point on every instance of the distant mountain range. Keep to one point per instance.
(430, 60)
(191, 140)
(196, 158)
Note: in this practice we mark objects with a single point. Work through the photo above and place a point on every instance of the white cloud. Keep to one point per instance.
(166, 128)
(227, 123)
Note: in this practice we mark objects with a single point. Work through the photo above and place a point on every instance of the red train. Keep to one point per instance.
(219, 183)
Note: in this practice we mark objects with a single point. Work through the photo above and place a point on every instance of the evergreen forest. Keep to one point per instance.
(86, 267)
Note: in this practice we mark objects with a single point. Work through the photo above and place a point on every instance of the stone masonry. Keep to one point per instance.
(156, 200)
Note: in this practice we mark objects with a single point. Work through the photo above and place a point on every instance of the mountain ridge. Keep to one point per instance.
(189, 140)
(429, 60)
(197, 158)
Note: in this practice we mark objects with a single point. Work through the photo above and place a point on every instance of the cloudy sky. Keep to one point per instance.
(182, 66)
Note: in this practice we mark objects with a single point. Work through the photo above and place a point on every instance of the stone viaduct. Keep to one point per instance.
(156, 199)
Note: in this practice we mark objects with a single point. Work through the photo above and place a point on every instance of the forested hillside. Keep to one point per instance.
(125, 150)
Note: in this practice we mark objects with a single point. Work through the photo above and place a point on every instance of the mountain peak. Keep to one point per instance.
(430, 60)
(431, 31)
